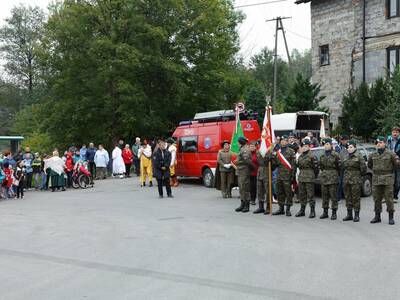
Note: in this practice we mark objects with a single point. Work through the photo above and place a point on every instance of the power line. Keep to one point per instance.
(299, 35)
(261, 3)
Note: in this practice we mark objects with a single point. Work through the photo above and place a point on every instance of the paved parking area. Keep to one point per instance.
(119, 241)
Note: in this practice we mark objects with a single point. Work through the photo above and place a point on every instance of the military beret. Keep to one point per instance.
(242, 140)
(344, 137)
(170, 140)
(353, 143)
(380, 139)
(306, 142)
(284, 137)
(291, 134)
(328, 141)
(225, 142)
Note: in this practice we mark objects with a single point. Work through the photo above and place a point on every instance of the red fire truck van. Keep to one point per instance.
(199, 141)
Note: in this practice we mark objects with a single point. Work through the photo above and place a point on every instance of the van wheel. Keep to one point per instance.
(366, 188)
(208, 178)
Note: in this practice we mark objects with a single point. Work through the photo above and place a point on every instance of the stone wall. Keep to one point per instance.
(338, 23)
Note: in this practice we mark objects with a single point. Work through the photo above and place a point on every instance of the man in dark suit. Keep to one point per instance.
(162, 162)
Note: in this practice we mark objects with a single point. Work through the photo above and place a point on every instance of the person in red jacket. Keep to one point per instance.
(253, 174)
(69, 168)
(127, 156)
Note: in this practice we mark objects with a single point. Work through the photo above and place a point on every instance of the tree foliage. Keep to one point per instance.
(303, 96)
(20, 38)
(123, 67)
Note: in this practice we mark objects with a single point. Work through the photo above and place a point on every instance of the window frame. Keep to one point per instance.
(388, 9)
(388, 62)
(320, 55)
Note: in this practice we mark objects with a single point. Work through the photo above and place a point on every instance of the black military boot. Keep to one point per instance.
(391, 220)
(324, 214)
(288, 213)
(260, 208)
(376, 219)
(356, 216)
(349, 216)
(334, 216)
(280, 211)
(246, 207)
(240, 208)
(301, 212)
(312, 212)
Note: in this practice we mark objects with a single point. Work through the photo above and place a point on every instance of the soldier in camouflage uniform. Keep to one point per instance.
(244, 166)
(285, 177)
(329, 164)
(308, 165)
(263, 178)
(354, 167)
(383, 163)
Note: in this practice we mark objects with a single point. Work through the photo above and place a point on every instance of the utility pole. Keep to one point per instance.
(278, 26)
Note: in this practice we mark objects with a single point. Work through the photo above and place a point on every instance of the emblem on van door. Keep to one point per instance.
(207, 143)
(248, 127)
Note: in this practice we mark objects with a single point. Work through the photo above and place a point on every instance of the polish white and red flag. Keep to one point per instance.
(268, 139)
(267, 134)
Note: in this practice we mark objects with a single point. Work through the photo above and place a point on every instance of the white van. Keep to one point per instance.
(300, 123)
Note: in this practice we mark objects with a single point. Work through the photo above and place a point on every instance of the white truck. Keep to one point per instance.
(300, 123)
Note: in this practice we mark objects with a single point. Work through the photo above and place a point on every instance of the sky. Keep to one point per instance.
(255, 33)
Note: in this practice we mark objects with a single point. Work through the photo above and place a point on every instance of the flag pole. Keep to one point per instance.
(269, 171)
(270, 187)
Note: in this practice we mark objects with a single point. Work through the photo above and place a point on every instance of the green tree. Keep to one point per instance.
(300, 63)
(20, 38)
(11, 101)
(303, 96)
(255, 100)
(123, 67)
(388, 113)
(359, 108)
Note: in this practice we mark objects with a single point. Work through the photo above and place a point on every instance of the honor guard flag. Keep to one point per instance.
(267, 136)
(322, 129)
(238, 132)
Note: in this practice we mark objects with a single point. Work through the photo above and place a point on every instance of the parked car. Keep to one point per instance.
(366, 186)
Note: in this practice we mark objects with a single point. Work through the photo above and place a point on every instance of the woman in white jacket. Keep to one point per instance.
(118, 162)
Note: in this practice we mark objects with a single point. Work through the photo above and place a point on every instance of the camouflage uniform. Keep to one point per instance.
(383, 165)
(284, 180)
(329, 178)
(308, 165)
(354, 167)
(244, 165)
(263, 180)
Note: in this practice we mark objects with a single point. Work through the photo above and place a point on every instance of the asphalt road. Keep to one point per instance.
(119, 241)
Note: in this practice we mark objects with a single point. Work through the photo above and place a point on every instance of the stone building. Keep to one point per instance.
(340, 31)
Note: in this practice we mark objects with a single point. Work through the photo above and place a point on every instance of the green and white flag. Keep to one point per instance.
(238, 132)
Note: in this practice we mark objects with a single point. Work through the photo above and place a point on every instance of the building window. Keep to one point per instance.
(324, 55)
(392, 8)
(392, 58)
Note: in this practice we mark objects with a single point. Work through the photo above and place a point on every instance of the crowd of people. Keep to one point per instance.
(25, 170)
(289, 169)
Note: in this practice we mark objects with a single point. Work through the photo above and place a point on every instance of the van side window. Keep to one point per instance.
(188, 144)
